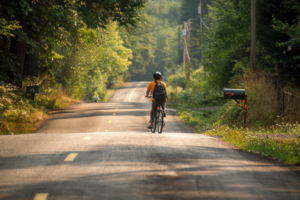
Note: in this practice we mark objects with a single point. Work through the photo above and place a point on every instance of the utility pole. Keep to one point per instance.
(200, 11)
(179, 45)
(253, 36)
(186, 46)
(183, 38)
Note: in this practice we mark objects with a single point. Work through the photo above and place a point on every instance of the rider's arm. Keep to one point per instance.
(147, 93)
(149, 88)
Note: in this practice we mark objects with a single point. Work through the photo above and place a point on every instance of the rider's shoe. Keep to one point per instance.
(150, 126)
(165, 114)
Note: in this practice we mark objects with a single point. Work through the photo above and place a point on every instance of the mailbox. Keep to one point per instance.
(32, 89)
(234, 93)
(96, 98)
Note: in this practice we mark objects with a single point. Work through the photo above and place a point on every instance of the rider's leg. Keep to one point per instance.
(153, 111)
(152, 114)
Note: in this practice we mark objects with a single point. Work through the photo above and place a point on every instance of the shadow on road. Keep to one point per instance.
(185, 175)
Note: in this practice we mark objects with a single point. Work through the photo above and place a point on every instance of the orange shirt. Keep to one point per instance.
(152, 85)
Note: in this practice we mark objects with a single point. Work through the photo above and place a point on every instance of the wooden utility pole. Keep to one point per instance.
(186, 46)
(202, 34)
(179, 45)
(183, 38)
(253, 36)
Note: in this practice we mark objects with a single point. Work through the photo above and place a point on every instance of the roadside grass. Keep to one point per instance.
(19, 114)
(201, 121)
(109, 93)
(280, 141)
(271, 132)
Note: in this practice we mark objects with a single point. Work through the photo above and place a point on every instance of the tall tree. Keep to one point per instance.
(268, 37)
(43, 22)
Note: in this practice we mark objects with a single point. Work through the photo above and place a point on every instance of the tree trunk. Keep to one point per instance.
(32, 60)
(31, 65)
(19, 49)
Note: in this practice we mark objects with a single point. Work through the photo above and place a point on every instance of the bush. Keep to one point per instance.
(20, 114)
(199, 94)
(177, 79)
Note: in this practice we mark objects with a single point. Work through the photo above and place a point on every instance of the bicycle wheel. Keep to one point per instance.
(154, 125)
(160, 123)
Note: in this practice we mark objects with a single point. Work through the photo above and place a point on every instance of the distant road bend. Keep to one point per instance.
(104, 151)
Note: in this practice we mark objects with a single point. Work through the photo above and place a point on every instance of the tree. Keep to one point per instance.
(142, 43)
(84, 67)
(227, 40)
(44, 22)
(272, 40)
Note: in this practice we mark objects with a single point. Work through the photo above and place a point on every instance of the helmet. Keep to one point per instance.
(157, 75)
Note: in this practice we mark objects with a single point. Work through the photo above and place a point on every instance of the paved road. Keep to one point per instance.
(91, 153)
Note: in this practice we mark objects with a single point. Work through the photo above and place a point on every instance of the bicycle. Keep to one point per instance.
(159, 118)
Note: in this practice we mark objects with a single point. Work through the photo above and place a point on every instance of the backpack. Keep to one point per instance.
(159, 92)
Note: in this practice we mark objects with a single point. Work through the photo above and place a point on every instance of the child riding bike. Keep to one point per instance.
(159, 95)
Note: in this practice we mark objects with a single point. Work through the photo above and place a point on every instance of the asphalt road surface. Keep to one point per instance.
(104, 151)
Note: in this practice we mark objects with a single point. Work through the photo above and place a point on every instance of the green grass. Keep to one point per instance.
(268, 145)
(200, 120)
(19, 114)
(109, 93)
(287, 150)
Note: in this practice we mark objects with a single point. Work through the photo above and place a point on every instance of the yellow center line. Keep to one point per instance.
(71, 157)
(109, 121)
(114, 113)
(87, 138)
(129, 100)
(41, 196)
(106, 130)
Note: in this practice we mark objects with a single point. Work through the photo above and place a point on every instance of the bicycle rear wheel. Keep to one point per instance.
(154, 125)
(160, 123)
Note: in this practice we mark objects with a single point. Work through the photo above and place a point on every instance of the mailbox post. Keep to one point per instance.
(238, 94)
(32, 90)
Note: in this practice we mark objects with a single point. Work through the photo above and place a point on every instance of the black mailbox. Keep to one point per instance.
(32, 89)
(234, 93)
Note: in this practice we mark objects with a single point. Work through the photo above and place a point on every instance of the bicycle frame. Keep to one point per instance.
(159, 118)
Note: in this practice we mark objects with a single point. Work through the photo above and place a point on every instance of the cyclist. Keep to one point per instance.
(158, 84)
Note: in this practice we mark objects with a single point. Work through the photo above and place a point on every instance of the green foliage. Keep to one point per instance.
(201, 121)
(276, 34)
(226, 45)
(199, 94)
(164, 19)
(84, 67)
(177, 79)
(100, 12)
(20, 114)
(6, 28)
(142, 44)
(44, 25)
(231, 114)
(293, 31)
(287, 150)
(14, 108)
